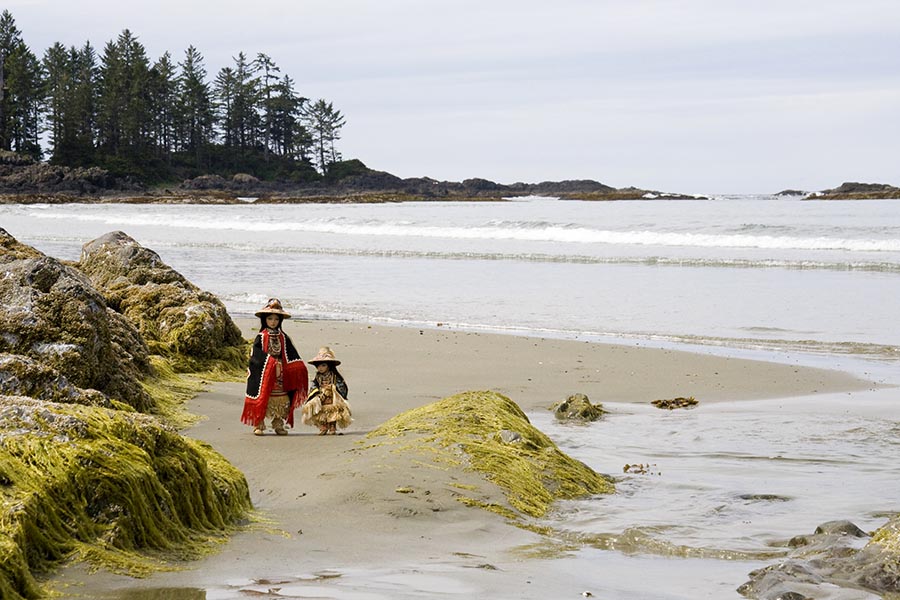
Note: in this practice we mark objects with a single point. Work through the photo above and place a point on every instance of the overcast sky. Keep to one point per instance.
(694, 96)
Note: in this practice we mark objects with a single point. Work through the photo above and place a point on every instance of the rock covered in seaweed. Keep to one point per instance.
(108, 483)
(487, 432)
(80, 468)
(53, 315)
(174, 317)
(577, 407)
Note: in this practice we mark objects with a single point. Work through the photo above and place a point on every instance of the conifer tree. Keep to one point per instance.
(123, 103)
(195, 117)
(25, 95)
(269, 69)
(163, 104)
(325, 125)
(21, 91)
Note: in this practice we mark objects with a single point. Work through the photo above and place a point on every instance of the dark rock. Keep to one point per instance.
(577, 407)
(43, 178)
(840, 528)
(833, 555)
(205, 182)
(853, 187)
(52, 314)
(779, 582)
(858, 191)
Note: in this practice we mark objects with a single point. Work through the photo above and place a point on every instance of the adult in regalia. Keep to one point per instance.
(277, 379)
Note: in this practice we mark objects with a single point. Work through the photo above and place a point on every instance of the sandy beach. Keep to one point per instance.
(334, 511)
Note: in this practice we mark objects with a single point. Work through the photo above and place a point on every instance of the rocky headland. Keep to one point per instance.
(25, 181)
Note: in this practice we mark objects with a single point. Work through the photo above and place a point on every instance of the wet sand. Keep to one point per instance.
(339, 526)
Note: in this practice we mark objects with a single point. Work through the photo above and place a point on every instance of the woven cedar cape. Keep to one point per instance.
(261, 378)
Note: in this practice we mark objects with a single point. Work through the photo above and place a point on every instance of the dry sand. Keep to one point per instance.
(337, 517)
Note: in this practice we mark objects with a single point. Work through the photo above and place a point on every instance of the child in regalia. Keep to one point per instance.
(327, 407)
(277, 378)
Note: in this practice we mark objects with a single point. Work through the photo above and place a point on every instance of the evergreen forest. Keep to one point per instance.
(161, 120)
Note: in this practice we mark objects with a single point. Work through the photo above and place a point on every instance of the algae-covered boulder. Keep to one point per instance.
(81, 470)
(577, 407)
(174, 317)
(879, 561)
(487, 432)
(104, 485)
(52, 314)
(12, 249)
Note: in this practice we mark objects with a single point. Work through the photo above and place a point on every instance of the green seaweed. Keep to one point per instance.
(466, 429)
(171, 389)
(122, 490)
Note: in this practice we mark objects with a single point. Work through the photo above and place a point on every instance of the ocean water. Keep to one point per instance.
(775, 278)
(747, 272)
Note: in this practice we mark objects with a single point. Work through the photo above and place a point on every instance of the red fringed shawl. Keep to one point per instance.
(261, 378)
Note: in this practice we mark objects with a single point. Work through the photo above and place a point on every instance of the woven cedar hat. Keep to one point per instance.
(273, 307)
(325, 355)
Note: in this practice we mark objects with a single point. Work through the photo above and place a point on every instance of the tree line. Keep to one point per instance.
(160, 120)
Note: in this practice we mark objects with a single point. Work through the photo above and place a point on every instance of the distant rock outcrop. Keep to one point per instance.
(858, 191)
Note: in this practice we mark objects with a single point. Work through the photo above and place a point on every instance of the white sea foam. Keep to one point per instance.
(526, 231)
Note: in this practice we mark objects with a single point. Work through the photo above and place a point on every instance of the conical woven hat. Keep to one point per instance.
(325, 355)
(273, 307)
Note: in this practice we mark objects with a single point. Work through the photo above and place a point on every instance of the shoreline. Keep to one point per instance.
(333, 508)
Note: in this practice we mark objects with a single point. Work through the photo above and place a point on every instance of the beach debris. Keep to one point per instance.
(587, 594)
(641, 469)
(764, 497)
(577, 407)
(484, 566)
(674, 403)
(404, 490)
